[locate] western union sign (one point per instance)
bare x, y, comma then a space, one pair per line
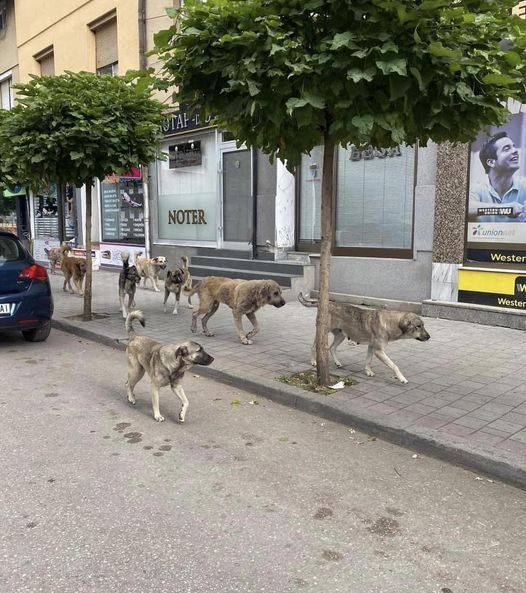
498, 289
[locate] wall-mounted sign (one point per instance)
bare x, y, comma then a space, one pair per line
496, 229
183, 121
370, 153
186, 154
497, 289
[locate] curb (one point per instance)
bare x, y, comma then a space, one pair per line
301, 400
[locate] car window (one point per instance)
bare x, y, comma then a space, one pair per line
10, 250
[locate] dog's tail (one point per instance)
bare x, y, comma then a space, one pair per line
305, 302
131, 318
125, 256
184, 259
193, 291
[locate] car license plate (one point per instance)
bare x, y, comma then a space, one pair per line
5, 308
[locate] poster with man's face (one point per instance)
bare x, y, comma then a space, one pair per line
496, 228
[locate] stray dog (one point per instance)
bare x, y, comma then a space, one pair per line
128, 280
164, 363
177, 281
369, 326
73, 268
55, 255
149, 268
244, 297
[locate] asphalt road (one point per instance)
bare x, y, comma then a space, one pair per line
245, 497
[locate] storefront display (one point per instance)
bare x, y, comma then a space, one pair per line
122, 217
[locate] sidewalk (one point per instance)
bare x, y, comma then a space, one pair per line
465, 401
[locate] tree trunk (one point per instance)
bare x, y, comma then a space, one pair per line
322, 319
86, 316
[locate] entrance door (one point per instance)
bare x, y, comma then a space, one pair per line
238, 206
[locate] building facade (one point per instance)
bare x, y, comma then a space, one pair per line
404, 227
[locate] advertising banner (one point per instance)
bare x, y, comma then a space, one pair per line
497, 289
496, 229
110, 254
122, 206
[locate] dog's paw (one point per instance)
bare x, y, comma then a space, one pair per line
190, 306
246, 341
369, 373
403, 380
181, 419
208, 334
159, 418
131, 400
338, 364
174, 312
313, 363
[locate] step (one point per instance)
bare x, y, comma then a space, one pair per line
281, 267
225, 253
200, 272
475, 313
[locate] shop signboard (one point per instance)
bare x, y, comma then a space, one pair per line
496, 228
497, 289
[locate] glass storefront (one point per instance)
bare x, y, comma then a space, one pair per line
187, 189
374, 197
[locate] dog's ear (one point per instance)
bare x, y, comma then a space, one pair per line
170, 357
406, 323
182, 352
266, 290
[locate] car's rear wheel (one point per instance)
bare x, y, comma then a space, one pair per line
38, 334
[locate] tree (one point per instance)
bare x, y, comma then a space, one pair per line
77, 127
287, 75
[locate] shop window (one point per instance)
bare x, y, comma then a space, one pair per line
122, 201
187, 202
373, 193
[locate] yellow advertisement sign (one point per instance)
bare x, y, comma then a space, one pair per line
498, 289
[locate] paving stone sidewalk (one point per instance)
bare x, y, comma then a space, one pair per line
465, 400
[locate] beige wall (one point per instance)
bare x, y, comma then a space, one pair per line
157, 20
8, 52
64, 25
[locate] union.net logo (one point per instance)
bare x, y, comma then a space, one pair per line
480, 230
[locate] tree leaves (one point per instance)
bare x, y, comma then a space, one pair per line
279, 73
78, 126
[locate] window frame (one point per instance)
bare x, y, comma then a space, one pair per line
369, 252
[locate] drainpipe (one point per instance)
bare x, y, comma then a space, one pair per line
142, 34
145, 172
254, 202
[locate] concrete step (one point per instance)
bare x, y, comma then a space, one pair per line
280, 267
225, 253
199, 272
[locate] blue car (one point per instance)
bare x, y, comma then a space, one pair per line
26, 303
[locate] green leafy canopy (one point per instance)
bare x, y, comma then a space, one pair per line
78, 126
279, 74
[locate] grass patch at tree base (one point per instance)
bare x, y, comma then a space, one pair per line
308, 380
